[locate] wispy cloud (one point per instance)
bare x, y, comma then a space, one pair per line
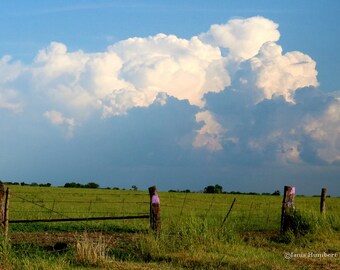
87, 7
58, 119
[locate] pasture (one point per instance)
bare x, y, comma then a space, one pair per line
193, 234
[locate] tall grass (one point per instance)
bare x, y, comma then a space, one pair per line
91, 252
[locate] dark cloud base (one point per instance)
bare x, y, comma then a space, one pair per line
154, 146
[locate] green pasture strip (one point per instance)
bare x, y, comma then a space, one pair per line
250, 212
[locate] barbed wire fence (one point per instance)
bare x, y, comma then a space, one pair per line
255, 213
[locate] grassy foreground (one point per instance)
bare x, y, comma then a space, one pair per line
193, 235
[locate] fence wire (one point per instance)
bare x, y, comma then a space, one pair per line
250, 212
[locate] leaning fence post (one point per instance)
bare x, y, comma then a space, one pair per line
155, 219
323, 201
287, 206
231, 207
2, 193
6, 213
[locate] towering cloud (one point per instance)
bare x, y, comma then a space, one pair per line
239, 85
132, 73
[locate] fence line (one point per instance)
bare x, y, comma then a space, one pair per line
219, 207
257, 212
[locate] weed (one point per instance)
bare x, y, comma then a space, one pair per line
90, 251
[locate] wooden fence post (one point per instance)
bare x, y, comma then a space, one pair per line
2, 193
6, 213
155, 212
287, 206
231, 207
323, 201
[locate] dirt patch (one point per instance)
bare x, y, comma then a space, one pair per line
51, 239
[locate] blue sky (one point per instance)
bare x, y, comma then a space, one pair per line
181, 94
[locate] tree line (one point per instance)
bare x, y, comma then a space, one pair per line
212, 189
66, 185
33, 184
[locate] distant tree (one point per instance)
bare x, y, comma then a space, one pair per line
73, 185
171, 190
134, 187
34, 184
218, 189
92, 185
209, 189
213, 189
115, 188
45, 185
276, 193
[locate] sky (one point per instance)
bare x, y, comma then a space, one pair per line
178, 94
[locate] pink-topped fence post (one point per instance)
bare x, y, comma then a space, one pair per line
287, 206
155, 212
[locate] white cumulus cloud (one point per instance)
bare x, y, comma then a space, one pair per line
131, 73
242, 37
271, 73
184, 69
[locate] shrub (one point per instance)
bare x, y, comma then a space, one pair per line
301, 223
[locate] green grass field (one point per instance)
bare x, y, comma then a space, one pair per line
192, 234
